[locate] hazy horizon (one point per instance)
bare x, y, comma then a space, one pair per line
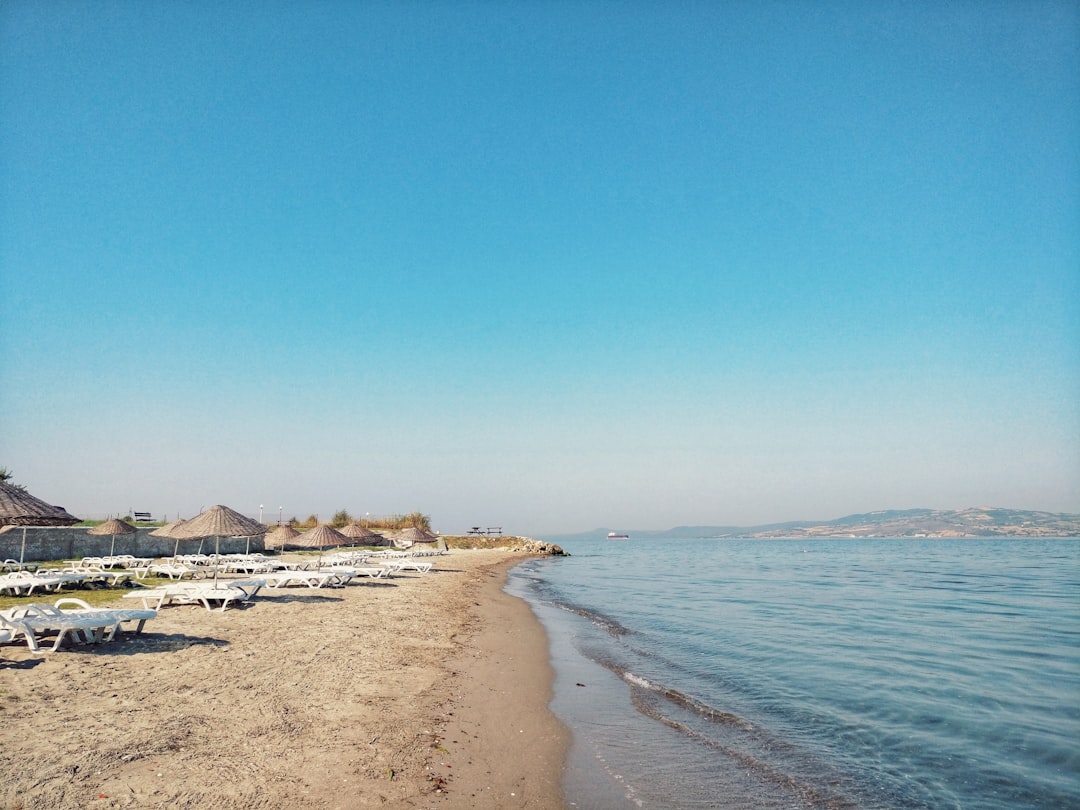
548, 267
271, 517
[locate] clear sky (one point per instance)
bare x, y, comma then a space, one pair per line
545, 265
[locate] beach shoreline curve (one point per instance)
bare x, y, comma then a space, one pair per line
428, 690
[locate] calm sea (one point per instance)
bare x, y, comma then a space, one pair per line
815, 673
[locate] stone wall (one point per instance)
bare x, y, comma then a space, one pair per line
69, 543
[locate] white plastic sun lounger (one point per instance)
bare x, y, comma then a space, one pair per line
9, 585
78, 607
204, 593
22, 583
35, 621
11, 629
15, 565
311, 579
246, 566
188, 594
342, 576
177, 570
84, 624
127, 561
110, 576
408, 564
373, 571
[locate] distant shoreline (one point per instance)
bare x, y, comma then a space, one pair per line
972, 523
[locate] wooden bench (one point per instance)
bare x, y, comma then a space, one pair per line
143, 517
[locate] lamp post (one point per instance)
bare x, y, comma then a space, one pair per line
279, 516
260, 512
367, 519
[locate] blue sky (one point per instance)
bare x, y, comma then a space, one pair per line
545, 265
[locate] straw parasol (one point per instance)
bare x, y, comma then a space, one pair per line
167, 529
412, 535
114, 527
19, 508
280, 536
170, 530
356, 532
221, 521
217, 522
321, 537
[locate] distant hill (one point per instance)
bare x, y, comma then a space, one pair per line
973, 522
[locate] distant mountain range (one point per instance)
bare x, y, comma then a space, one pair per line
974, 522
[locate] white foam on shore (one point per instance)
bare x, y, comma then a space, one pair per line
637, 680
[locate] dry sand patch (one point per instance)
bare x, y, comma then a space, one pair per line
304, 699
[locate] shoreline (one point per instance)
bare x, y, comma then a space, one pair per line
429, 690
505, 746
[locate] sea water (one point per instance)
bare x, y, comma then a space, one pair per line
867, 673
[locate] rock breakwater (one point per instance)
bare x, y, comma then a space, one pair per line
508, 542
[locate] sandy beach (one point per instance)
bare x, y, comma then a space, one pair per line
422, 691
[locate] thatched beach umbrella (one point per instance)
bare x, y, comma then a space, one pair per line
114, 527
280, 536
219, 521
321, 537
166, 530
413, 535
356, 532
19, 508
171, 530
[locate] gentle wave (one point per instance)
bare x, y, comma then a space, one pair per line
807, 793
684, 701
873, 674
609, 625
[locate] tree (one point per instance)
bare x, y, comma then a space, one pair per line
7, 475
341, 519
417, 520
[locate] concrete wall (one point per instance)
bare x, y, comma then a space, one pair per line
68, 543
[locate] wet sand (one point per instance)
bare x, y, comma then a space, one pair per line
423, 691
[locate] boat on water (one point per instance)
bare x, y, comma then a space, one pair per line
617, 536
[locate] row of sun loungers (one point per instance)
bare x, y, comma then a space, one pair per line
390, 562
75, 619
115, 561
25, 583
